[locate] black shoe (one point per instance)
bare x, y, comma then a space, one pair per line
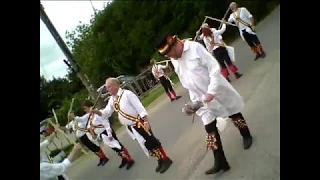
104, 161
220, 163
123, 163
159, 165
247, 142
165, 165
130, 164
100, 162
238, 75
172, 99
257, 57
263, 55
177, 97
228, 79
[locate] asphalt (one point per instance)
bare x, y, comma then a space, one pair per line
185, 142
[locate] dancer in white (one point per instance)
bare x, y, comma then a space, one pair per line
55, 171
245, 22
212, 95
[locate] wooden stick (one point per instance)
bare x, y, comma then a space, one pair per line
70, 109
160, 62
224, 16
215, 19
62, 132
205, 19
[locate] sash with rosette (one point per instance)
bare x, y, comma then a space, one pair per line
138, 120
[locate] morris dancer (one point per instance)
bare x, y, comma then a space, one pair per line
199, 72
132, 114
158, 73
86, 139
55, 171
245, 22
212, 39
100, 128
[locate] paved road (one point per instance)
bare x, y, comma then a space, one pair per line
185, 142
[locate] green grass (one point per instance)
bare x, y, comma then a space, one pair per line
155, 93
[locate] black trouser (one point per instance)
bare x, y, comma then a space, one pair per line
166, 84
222, 56
237, 119
60, 177
152, 142
251, 39
89, 144
114, 136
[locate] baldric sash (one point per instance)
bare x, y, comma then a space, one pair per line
138, 120
236, 16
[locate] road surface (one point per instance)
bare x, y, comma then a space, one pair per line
185, 142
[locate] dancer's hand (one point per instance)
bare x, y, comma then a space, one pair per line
146, 125
208, 98
71, 116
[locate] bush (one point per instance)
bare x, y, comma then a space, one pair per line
63, 111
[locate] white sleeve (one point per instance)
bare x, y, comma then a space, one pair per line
231, 19
213, 68
154, 72
246, 12
136, 103
108, 110
44, 144
70, 125
200, 37
222, 30
82, 119
53, 170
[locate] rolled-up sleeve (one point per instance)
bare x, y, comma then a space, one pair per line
53, 170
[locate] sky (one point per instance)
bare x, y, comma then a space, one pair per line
65, 15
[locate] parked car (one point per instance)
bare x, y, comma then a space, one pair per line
43, 126
139, 84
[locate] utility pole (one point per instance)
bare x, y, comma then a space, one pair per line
94, 9
70, 60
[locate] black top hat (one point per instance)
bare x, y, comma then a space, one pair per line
165, 43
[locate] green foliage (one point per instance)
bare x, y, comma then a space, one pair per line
63, 111
121, 38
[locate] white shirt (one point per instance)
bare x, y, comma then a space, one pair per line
243, 14
78, 132
97, 120
158, 70
50, 171
129, 104
216, 36
199, 72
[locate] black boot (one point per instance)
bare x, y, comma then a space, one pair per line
220, 163
238, 75
103, 161
123, 163
244, 131
100, 161
159, 165
228, 79
257, 57
177, 97
165, 165
130, 164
